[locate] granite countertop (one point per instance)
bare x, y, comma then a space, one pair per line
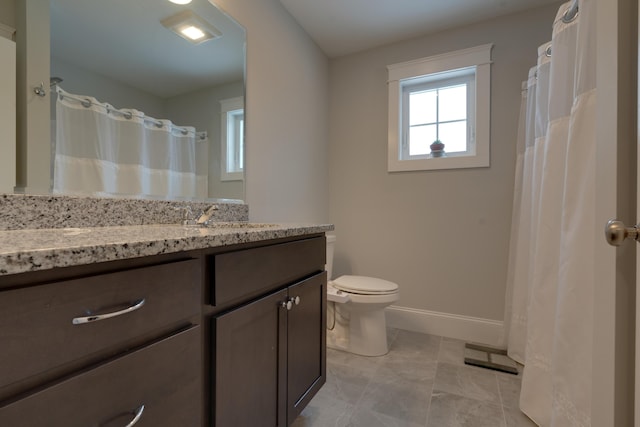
40, 249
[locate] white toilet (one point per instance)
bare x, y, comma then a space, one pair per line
355, 311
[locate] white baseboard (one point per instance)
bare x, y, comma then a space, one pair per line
471, 329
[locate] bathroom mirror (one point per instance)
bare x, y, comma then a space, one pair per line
124, 53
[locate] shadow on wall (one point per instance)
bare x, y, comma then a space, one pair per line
341, 265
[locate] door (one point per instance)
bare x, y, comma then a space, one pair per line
614, 269
306, 355
249, 362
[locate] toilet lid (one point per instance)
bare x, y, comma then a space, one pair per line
364, 285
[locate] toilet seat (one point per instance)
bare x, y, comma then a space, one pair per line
363, 285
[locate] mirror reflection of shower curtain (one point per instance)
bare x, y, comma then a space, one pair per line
549, 303
101, 150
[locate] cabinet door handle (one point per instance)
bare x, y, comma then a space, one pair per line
286, 304
296, 300
137, 415
94, 318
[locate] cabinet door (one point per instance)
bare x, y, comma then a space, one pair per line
249, 363
306, 352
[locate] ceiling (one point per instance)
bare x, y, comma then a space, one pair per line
342, 27
124, 40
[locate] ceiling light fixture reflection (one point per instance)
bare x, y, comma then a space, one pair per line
191, 27
180, 1
194, 33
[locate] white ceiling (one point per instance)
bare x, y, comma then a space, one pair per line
124, 40
341, 27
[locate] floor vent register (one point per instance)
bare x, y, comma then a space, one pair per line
490, 358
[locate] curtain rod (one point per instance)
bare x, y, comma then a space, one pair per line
87, 103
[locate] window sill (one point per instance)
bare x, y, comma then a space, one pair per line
439, 163
232, 176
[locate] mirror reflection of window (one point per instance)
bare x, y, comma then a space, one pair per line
235, 125
232, 124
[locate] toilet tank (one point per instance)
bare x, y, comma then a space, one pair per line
331, 240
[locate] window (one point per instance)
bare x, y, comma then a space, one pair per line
232, 142
444, 98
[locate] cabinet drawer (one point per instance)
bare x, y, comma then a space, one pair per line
36, 322
164, 377
250, 272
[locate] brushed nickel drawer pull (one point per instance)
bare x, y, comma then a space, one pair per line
96, 317
137, 415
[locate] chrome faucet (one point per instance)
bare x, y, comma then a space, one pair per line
188, 217
205, 217
201, 219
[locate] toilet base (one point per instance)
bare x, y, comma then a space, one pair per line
362, 332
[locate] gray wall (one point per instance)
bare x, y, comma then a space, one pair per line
286, 105
201, 109
8, 12
81, 81
443, 236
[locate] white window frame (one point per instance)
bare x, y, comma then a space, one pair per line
431, 69
231, 141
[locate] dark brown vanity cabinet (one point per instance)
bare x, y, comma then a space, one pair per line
268, 355
221, 336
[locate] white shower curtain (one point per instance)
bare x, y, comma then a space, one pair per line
103, 150
549, 291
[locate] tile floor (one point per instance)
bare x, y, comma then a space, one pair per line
422, 382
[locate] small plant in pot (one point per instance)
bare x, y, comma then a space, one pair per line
437, 148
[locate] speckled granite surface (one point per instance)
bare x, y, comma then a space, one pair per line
20, 211
31, 250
